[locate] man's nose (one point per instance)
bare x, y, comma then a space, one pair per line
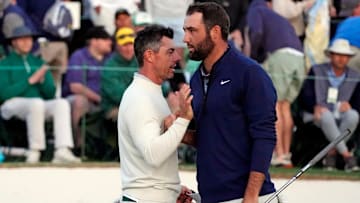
186, 37
177, 57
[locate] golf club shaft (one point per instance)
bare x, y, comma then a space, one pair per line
312, 162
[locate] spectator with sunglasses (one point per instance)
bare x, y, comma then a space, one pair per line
118, 72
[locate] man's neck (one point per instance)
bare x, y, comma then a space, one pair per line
145, 71
20, 53
96, 54
216, 53
338, 71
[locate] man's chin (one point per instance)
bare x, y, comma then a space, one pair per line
170, 75
195, 57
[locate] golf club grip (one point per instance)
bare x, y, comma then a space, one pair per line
331, 145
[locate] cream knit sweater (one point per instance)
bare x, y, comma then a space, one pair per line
148, 155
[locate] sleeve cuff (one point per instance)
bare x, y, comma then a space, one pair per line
182, 121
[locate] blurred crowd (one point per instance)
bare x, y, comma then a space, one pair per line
51, 69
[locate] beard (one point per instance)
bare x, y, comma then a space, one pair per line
203, 49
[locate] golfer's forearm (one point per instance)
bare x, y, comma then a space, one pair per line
189, 138
78, 88
256, 180
158, 149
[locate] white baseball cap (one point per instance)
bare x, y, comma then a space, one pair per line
340, 46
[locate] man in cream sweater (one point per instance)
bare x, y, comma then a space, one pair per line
149, 133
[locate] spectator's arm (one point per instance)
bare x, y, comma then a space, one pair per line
78, 88
9, 89
256, 32
47, 86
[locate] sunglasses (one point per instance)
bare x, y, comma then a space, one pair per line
126, 35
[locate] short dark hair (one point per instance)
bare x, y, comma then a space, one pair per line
213, 14
121, 11
150, 38
97, 32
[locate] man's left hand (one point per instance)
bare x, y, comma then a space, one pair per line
183, 197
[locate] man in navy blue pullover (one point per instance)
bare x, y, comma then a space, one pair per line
234, 111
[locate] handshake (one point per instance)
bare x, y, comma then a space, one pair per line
180, 105
180, 102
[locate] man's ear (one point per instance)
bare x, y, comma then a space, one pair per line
149, 56
215, 32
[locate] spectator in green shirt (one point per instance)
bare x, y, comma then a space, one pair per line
118, 72
27, 93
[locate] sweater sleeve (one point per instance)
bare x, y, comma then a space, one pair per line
8, 89
260, 100
154, 145
47, 87
11, 90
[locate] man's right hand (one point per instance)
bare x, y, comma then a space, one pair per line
318, 110
39, 75
344, 106
185, 109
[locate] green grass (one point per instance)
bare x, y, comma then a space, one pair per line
312, 173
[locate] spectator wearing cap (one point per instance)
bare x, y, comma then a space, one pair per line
82, 81
52, 49
122, 19
11, 16
349, 29
328, 100
27, 93
118, 74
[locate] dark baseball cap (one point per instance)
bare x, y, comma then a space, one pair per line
121, 11
97, 32
21, 31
